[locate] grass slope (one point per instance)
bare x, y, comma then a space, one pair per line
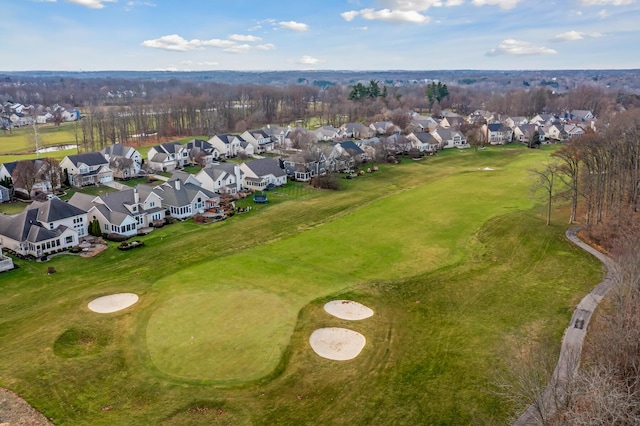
439, 249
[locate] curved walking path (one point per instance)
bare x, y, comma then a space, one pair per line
571, 350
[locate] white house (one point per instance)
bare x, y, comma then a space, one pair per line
257, 174
260, 140
124, 161
450, 138
223, 178
424, 142
123, 212
43, 228
226, 144
89, 168
184, 198
168, 156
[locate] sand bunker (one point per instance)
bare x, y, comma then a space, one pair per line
339, 344
348, 310
112, 303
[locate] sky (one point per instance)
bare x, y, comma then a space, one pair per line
261, 35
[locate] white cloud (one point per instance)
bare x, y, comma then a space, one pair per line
348, 16
388, 15
238, 48
244, 38
605, 2
44, 1
400, 11
200, 63
268, 46
503, 4
130, 5
308, 60
513, 47
573, 36
293, 25
177, 43
603, 14
92, 4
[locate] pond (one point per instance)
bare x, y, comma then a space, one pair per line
56, 148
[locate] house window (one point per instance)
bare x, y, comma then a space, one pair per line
106, 226
152, 204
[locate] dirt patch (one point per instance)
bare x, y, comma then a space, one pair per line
15, 411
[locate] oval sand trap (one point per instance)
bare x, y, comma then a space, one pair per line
348, 310
112, 303
339, 344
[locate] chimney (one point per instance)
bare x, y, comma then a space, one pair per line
136, 196
177, 184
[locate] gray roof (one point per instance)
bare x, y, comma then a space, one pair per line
116, 150
53, 210
173, 196
426, 137
88, 158
266, 166
25, 226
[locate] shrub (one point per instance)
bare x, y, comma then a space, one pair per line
51, 270
328, 181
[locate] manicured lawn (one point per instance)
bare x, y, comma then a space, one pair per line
452, 259
22, 140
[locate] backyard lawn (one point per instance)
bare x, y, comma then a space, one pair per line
453, 258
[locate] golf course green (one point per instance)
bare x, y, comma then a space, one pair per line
451, 253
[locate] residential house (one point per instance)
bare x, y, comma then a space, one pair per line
452, 122
184, 197
168, 157
260, 140
246, 148
19, 120
43, 228
384, 128
525, 133
512, 122
304, 165
555, 132
342, 156
6, 263
123, 212
424, 142
423, 124
258, 174
450, 138
225, 178
497, 133
481, 116
228, 145
543, 119
39, 181
201, 152
356, 131
124, 161
5, 195
89, 168
278, 134
581, 115
326, 133
573, 130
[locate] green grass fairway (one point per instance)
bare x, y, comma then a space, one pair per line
455, 261
219, 336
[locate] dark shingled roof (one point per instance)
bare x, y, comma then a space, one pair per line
266, 166
88, 158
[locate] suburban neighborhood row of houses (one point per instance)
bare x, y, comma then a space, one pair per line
19, 115
49, 226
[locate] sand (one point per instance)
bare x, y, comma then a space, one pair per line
348, 310
339, 344
112, 303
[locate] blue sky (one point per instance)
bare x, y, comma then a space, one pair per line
140, 35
